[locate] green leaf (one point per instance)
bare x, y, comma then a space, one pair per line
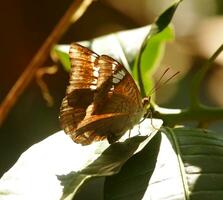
152, 55
56, 168
165, 18
177, 164
60, 52
144, 69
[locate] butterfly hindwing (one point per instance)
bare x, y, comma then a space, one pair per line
98, 127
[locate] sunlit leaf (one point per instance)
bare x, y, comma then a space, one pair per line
57, 167
176, 164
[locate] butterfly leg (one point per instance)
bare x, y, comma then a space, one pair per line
130, 133
139, 133
151, 118
148, 113
111, 138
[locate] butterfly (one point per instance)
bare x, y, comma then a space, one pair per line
102, 100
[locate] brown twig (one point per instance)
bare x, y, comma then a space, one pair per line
40, 73
75, 11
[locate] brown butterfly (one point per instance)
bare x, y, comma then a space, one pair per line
102, 100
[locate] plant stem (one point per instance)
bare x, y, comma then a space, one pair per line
196, 111
75, 11
199, 76
139, 71
176, 116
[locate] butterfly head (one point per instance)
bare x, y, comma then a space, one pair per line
145, 104
146, 101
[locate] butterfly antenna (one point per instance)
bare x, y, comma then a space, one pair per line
166, 81
158, 83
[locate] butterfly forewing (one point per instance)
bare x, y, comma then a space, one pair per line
79, 93
82, 62
102, 100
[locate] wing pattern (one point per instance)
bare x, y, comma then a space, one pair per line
102, 99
